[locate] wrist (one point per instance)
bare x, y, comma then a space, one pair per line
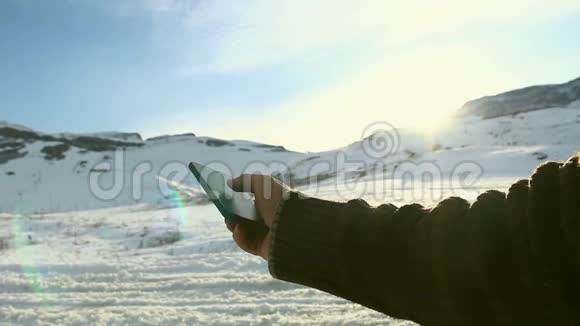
277, 213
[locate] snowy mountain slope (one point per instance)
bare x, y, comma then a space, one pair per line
496, 144
523, 100
51, 173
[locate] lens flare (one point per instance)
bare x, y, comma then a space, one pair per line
27, 260
180, 197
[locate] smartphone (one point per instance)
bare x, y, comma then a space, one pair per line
235, 207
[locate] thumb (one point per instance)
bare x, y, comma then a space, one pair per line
244, 182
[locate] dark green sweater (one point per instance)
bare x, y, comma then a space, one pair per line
503, 260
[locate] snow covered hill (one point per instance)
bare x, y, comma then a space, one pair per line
523, 100
42, 173
511, 145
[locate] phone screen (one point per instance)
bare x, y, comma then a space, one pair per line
232, 205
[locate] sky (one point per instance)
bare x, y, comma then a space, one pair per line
309, 75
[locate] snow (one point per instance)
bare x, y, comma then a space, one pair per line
34, 185
522, 140
62, 185
109, 266
92, 267
68, 257
135, 264
574, 105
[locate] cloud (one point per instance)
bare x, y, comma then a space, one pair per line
254, 33
268, 32
224, 36
418, 90
413, 81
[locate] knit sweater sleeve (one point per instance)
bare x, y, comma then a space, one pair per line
503, 260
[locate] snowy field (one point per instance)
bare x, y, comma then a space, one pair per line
154, 266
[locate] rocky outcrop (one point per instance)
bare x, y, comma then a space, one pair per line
523, 100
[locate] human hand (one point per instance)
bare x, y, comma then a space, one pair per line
255, 237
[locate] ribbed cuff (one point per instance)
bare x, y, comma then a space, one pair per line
308, 236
